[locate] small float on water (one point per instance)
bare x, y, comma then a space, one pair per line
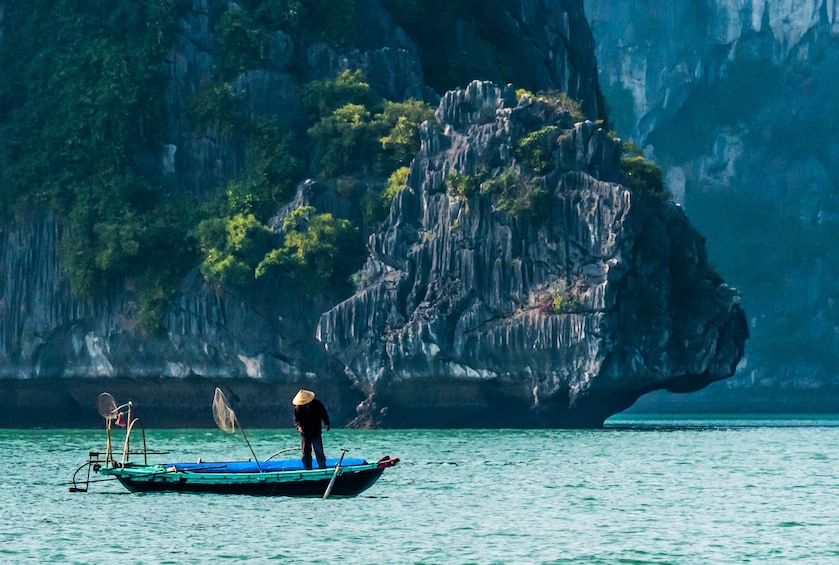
343, 477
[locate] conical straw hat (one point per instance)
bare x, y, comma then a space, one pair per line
303, 397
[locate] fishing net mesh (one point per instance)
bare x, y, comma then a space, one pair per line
106, 405
222, 412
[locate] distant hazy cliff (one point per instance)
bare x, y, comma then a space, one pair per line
736, 101
543, 293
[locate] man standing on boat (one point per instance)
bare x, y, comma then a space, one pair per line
308, 414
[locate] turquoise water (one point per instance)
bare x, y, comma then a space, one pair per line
691, 490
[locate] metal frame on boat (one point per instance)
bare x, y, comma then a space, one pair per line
341, 477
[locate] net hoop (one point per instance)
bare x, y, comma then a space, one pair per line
107, 406
222, 413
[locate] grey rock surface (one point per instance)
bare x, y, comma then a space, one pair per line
452, 328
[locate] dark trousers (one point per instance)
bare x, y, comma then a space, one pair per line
315, 443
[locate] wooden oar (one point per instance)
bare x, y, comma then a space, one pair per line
334, 475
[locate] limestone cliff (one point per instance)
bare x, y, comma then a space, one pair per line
735, 100
461, 321
460, 289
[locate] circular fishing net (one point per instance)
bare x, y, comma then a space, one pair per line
222, 412
107, 406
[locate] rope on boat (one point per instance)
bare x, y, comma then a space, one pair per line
283, 451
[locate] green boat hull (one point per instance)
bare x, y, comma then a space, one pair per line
350, 481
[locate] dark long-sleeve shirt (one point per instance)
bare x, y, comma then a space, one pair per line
307, 418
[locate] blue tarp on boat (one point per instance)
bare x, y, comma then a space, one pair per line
265, 466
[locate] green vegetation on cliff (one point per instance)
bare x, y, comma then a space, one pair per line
80, 118
641, 176
83, 124
355, 130
316, 248
81, 127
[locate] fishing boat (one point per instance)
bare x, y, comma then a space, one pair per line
342, 477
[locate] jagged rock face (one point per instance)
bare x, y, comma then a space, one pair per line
453, 328
48, 333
